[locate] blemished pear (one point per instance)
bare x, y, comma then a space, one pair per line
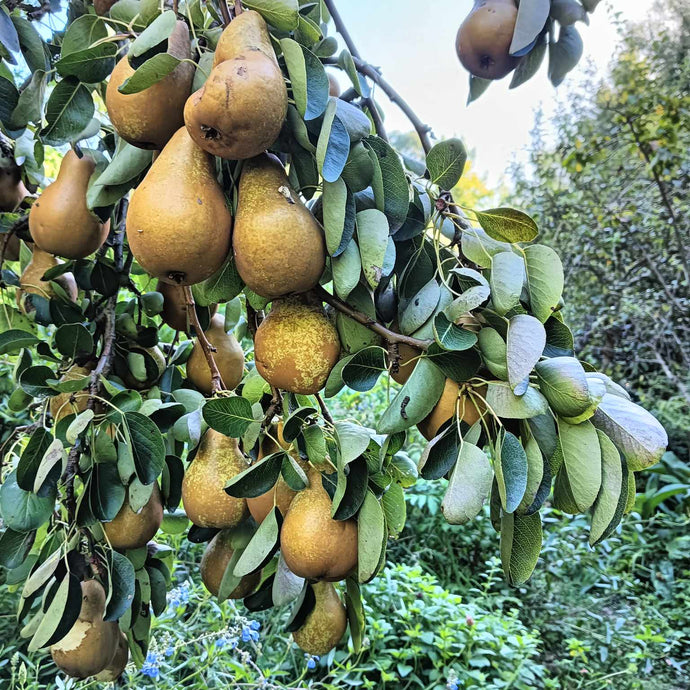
59, 220
64, 404
118, 663
296, 346
214, 562
178, 225
313, 544
31, 279
175, 306
325, 624
469, 409
91, 643
484, 38
229, 358
217, 461
149, 118
130, 530
240, 109
279, 246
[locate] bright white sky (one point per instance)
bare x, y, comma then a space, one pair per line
415, 50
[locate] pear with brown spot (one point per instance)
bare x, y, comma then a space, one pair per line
325, 624
214, 562
130, 530
217, 461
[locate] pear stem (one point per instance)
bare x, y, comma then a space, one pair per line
325, 412
238, 7
224, 12
217, 384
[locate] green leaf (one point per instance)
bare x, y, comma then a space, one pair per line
394, 509
82, 33
121, 590
29, 107
257, 479
545, 280
91, 65
33, 381
156, 32
530, 63
507, 225
494, 352
61, 614
307, 78
333, 146
457, 366
15, 547
351, 490
420, 308
107, 494
477, 87
564, 54
501, 399
510, 466
353, 440
507, 278
14, 340
452, 337
31, 457
563, 383
446, 162
281, 14
262, 546
531, 19
346, 268
68, 112
363, 369
23, 511
391, 189
286, 586
73, 339
535, 475
32, 45
521, 539
372, 237
335, 200
525, 344
221, 287
148, 447
609, 497
230, 416
8, 33
370, 537
296, 421
582, 461
151, 72
469, 486
355, 613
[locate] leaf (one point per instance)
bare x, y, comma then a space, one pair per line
582, 461
370, 536
148, 447
477, 87
333, 146
452, 337
346, 268
510, 466
564, 54
156, 32
89, 66
73, 339
524, 347
457, 366
151, 72
418, 310
391, 189
262, 546
281, 14
335, 202
230, 416
504, 403
563, 382
14, 340
15, 547
446, 162
8, 33
363, 369
221, 287
507, 278
286, 586
372, 237
532, 16
469, 486
507, 225
121, 587
23, 511
521, 538
609, 497
535, 477
353, 440
394, 509
297, 419
308, 79
636, 433
544, 280
107, 494
61, 614
31, 457
351, 490
68, 111
257, 479
530, 63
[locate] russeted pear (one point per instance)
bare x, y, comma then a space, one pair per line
91, 643
215, 560
64, 404
178, 225
149, 118
469, 409
175, 306
130, 530
31, 279
217, 461
279, 246
118, 663
229, 358
484, 38
59, 220
296, 346
325, 624
313, 544
240, 110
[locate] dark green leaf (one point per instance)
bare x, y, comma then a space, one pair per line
121, 587
371, 527
23, 511
68, 111
510, 467
148, 447
257, 479
446, 162
363, 369
230, 416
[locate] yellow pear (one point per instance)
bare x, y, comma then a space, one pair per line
228, 356
215, 560
31, 282
469, 409
130, 530
91, 643
175, 306
217, 461
279, 246
325, 624
117, 666
149, 118
296, 346
313, 544
240, 109
59, 220
64, 404
178, 225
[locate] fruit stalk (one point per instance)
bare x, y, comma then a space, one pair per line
224, 12
325, 412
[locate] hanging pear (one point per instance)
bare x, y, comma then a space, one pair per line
130, 530
31, 279
178, 225
279, 246
214, 562
325, 624
452, 401
229, 358
149, 118
175, 306
64, 404
59, 220
117, 666
217, 461
240, 110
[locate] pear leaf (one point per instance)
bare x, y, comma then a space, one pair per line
372, 238
281, 14
609, 496
582, 461
446, 163
510, 466
525, 344
370, 537
346, 268
545, 280
521, 538
257, 479
504, 403
531, 19
230, 416
307, 78
364, 368
563, 383
507, 225
262, 546
469, 485
507, 277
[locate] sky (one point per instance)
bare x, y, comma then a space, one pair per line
416, 53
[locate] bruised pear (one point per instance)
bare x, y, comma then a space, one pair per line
117, 666
31, 279
240, 109
214, 562
469, 408
217, 461
64, 404
91, 643
130, 530
175, 306
178, 226
59, 220
313, 544
279, 247
484, 38
228, 355
296, 346
325, 624
149, 118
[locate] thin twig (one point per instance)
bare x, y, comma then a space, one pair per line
217, 384
325, 412
275, 408
224, 12
238, 7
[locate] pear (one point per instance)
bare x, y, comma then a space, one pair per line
313, 544
91, 643
117, 666
214, 562
217, 461
469, 409
59, 220
279, 247
178, 225
12, 247
31, 279
102, 7
228, 356
484, 38
130, 530
149, 118
333, 86
12, 189
325, 624
154, 360
240, 109
175, 306
64, 404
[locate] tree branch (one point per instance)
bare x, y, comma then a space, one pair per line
224, 12
325, 412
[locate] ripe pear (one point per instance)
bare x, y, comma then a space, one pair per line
333, 86
325, 624
12, 189
313, 544
149, 118
228, 356
484, 38
117, 666
130, 530
30, 280
178, 225
240, 109
279, 246
175, 306
59, 220
91, 643
296, 346
215, 560
217, 461
469, 409
64, 404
